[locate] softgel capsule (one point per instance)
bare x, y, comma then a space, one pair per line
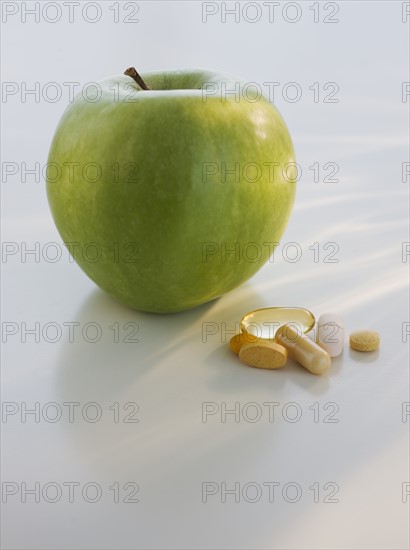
266, 321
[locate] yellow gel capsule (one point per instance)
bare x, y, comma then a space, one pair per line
264, 355
265, 322
237, 341
303, 350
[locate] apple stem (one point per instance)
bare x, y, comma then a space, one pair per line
132, 72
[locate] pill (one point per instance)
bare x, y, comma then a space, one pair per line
364, 340
264, 355
303, 350
331, 333
240, 339
266, 321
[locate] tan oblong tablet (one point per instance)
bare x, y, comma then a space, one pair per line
303, 350
237, 341
364, 340
264, 355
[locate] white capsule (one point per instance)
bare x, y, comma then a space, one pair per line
331, 333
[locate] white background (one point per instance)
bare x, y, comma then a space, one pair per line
175, 367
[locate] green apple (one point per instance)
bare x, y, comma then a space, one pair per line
170, 196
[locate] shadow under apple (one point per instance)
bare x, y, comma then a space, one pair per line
131, 344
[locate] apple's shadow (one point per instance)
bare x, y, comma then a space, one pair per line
131, 344
126, 364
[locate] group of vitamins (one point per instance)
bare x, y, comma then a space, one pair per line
286, 337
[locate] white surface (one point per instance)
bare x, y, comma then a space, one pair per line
172, 371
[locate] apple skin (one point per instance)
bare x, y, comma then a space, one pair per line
162, 229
